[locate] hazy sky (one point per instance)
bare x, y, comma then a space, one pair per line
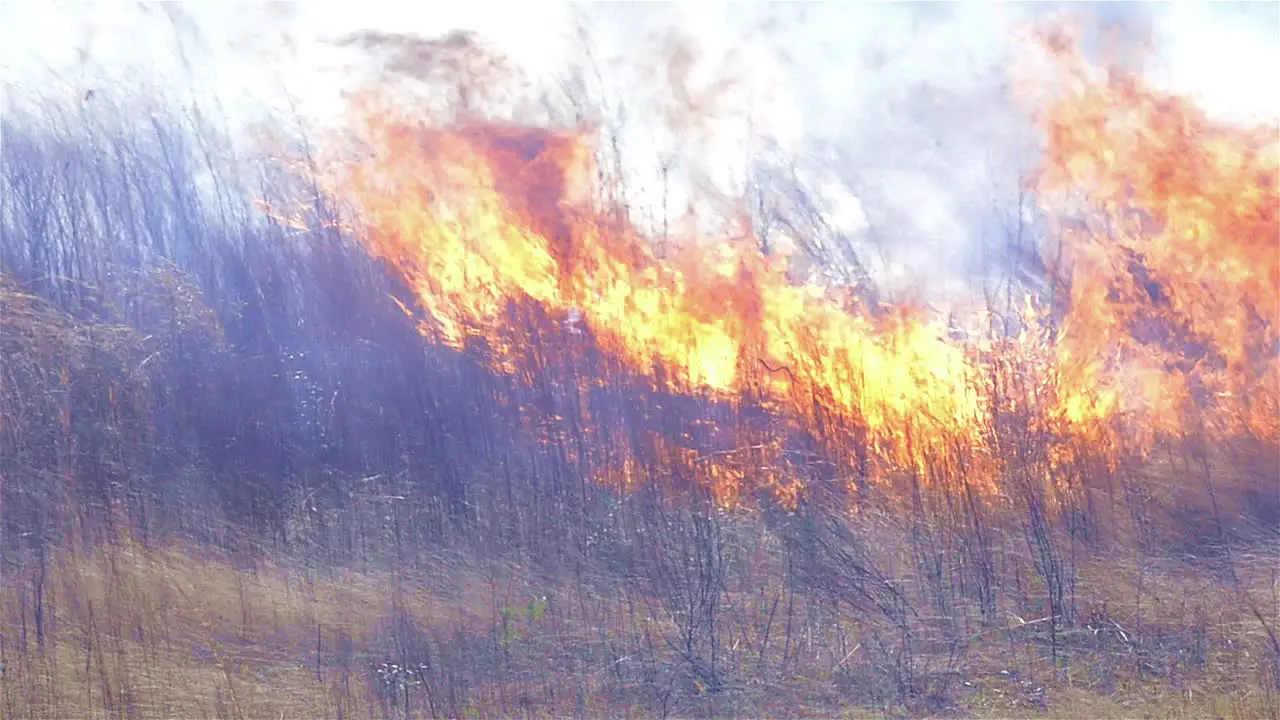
898, 110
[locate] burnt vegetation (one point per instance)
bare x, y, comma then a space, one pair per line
238, 483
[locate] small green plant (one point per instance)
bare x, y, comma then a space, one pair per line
537, 609
509, 632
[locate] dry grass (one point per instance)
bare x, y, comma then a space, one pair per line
132, 632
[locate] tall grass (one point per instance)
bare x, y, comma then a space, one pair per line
236, 483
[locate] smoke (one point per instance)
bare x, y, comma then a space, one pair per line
896, 122
900, 121
915, 122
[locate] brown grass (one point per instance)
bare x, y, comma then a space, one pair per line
134, 632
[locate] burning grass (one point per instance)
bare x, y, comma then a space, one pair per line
1167, 329
707, 490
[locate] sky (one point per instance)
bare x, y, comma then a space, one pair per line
896, 114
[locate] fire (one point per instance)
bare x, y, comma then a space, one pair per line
1172, 311
1177, 273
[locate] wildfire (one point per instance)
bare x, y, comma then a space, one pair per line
1172, 312
1175, 298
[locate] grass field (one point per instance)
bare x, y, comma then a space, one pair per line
174, 631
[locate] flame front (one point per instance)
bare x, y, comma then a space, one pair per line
1171, 316
1175, 297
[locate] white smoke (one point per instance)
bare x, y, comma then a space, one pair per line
897, 118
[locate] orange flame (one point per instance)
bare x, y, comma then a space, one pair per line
1172, 304
1177, 275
